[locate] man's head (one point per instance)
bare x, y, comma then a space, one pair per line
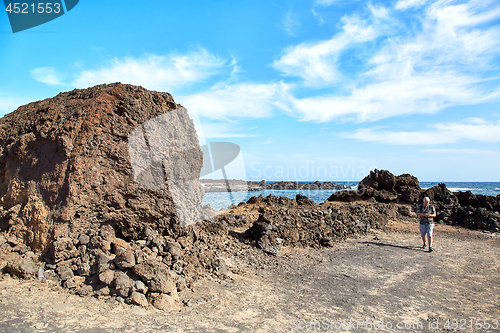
427, 201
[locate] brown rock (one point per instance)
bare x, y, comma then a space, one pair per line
165, 302
21, 268
85, 290
123, 284
379, 180
125, 259
70, 160
63, 249
162, 283
138, 299
65, 273
174, 249
107, 277
118, 242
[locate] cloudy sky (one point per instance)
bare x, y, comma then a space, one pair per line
322, 89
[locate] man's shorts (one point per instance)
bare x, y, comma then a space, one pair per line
426, 229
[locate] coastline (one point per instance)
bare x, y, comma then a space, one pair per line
234, 185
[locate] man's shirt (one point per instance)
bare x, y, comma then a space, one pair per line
423, 209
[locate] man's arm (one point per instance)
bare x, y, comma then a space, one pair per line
419, 212
433, 214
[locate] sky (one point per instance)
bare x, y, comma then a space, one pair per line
309, 90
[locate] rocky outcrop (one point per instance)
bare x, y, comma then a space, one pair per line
94, 157
220, 185
460, 208
150, 269
299, 222
382, 186
317, 185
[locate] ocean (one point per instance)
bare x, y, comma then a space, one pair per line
221, 200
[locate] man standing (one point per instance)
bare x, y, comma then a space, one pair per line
426, 212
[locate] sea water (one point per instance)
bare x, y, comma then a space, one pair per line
222, 200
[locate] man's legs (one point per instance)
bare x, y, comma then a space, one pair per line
423, 232
429, 236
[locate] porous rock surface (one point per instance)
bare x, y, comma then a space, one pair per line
86, 195
300, 222
65, 165
456, 208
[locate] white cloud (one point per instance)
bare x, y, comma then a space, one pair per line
437, 134
45, 75
462, 151
405, 4
155, 72
325, 2
290, 23
237, 101
447, 61
318, 17
316, 62
424, 93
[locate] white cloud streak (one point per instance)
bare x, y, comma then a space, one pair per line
155, 72
237, 101
325, 2
290, 23
45, 75
437, 134
405, 4
445, 62
315, 63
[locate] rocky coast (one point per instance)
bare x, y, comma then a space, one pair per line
221, 185
74, 218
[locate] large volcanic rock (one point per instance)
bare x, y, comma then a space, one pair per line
460, 208
98, 156
382, 186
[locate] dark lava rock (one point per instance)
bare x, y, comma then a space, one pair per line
303, 200
379, 180
24, 269
66, 162
314, 226
125, 259
65, 273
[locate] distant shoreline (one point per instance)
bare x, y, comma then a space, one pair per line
238, 185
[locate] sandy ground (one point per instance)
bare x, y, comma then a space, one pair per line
383, 276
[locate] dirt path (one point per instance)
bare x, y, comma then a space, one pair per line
383, 276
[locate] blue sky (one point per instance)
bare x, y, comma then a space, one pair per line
322, 89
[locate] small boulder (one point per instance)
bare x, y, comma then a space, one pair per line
123, 284
107, 277
65, 273
125, 259
139, 286
138, 299
304, 201
119, 243
165, 302
85, 290
103, 262
24, 269
174, 249
83, 239
69, 284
